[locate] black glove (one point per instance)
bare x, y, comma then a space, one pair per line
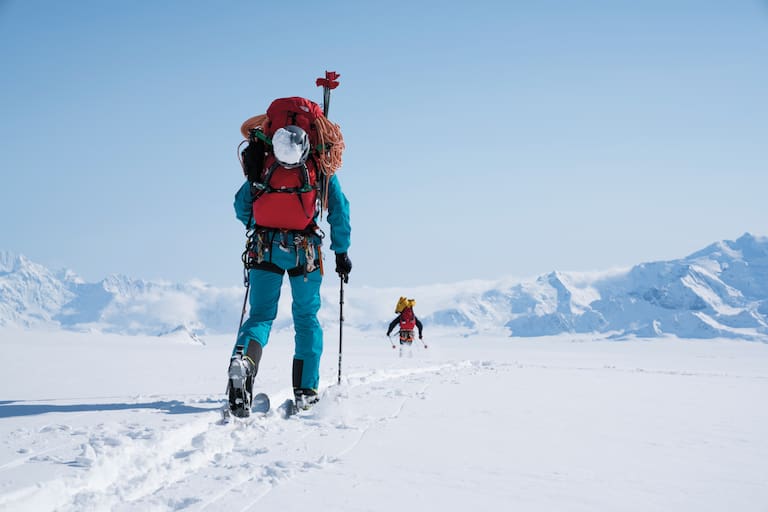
343, 266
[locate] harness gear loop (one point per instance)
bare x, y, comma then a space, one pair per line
260, 247
309, 253
258, 243
283, 245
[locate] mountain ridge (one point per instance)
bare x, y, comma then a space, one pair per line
718, 291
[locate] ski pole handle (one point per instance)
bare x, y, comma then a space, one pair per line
330, 82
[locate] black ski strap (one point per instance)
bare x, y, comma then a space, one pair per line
256, 133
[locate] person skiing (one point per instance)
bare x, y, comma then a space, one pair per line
407, 320
284, 239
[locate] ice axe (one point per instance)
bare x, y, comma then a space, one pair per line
330, 82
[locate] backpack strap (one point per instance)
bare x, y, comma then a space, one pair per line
264, 186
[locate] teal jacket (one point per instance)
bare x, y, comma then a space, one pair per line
338, 213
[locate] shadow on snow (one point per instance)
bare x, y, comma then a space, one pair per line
10, 408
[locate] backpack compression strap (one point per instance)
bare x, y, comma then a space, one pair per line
264, 185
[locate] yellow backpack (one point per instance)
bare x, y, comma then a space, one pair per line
403, 303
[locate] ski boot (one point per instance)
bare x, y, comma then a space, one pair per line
304, 398
241, 374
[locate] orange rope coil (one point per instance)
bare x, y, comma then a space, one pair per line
253, 122
330, 137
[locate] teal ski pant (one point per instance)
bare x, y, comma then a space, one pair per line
265, 288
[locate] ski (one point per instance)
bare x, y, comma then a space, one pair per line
259, 406
288, 408
260, 403
297, 406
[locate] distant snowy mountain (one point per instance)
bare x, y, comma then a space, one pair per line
33, 296
719, 291
30, 294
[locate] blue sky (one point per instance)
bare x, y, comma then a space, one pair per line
484, 139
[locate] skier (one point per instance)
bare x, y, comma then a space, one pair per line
283, 238
407, 320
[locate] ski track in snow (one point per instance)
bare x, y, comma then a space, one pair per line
131, 466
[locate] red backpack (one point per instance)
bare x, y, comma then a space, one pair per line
283, 198
407, 320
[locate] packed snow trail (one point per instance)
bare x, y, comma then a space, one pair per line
127, 465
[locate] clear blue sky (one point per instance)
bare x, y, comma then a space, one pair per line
484, 139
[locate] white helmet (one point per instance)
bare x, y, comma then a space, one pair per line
291, 146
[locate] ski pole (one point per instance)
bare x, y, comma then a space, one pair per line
422, 342
242, 313
245, 299
390, 340
246, 271
341, 319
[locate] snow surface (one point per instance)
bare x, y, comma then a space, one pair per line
95, 422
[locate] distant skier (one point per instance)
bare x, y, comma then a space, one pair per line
407, 320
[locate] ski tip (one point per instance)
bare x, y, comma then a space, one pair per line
288, 408
260, 403
226, 415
